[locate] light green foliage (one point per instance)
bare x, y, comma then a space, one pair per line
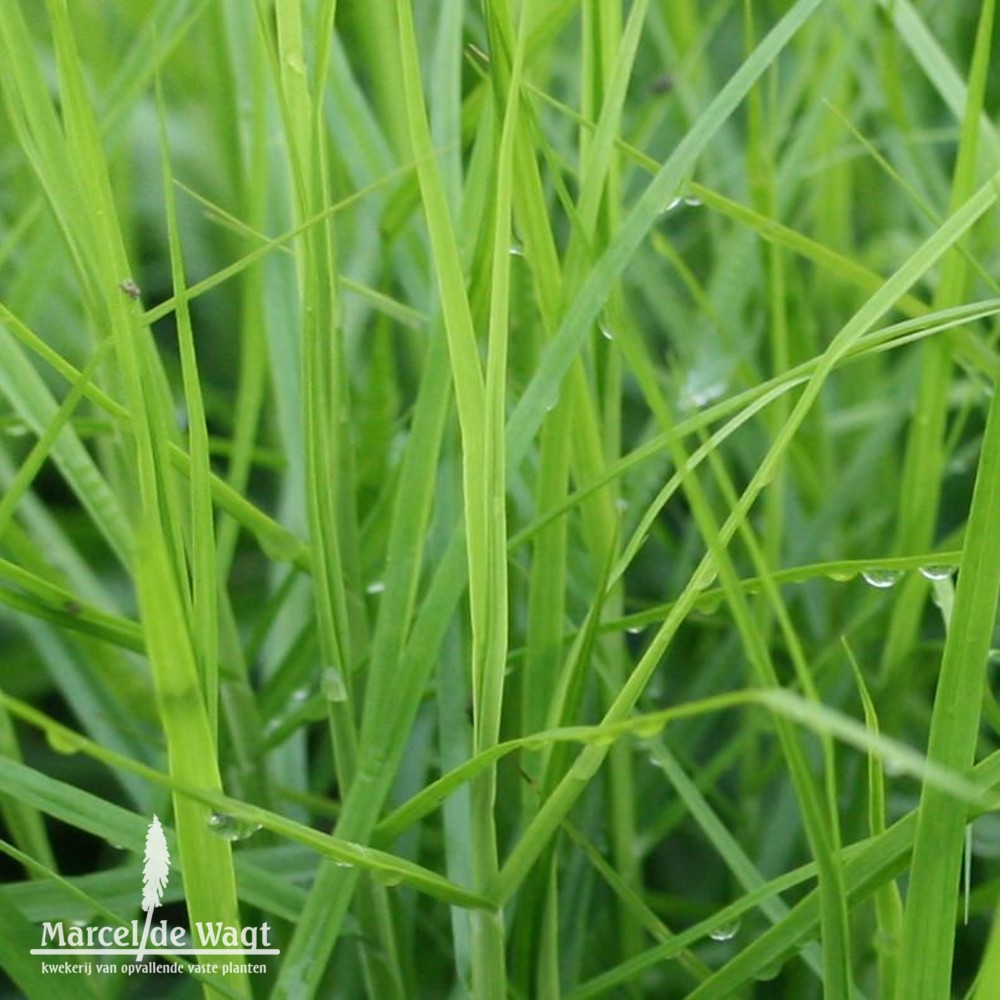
483, 476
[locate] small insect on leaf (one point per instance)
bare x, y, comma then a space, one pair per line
130, 288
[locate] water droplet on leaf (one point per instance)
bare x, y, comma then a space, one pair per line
710, 604
882, 578
842, 575
63, 742
332, 685
231, 827
725, 932
886, 943
646, 729
769, 972
300, 696
936, 572
281, 547
702, 394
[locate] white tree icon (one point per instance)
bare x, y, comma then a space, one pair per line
155, 872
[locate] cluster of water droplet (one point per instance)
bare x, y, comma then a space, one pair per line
689, 201
885, 578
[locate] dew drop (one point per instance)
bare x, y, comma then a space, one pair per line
63, 742
842, 575
281, 547
332, 685
342, 864
606, 333
882, 578
375, 587
231, 827
656, 690
647, 729
16, 428
937, 572
683, 201
769, 972
767, 474
886, 943
389, 878
709, 605
635, 629
299, 696
515, 250
701, 395
892, 767
725, 932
